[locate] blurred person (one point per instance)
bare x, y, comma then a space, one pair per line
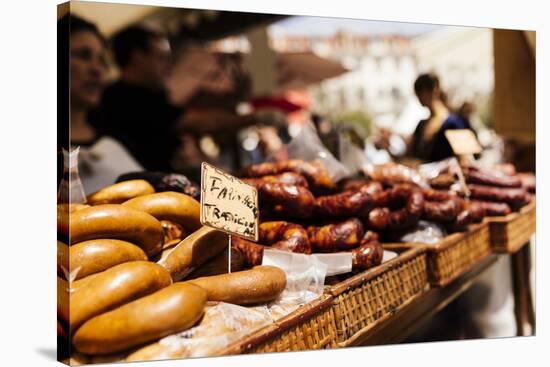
81, 76
428, 141
136, 109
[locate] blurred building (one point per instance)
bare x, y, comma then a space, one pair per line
382, 70
463, 59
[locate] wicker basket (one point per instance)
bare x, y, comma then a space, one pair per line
309, 327
455, 254
366, 299
510, 233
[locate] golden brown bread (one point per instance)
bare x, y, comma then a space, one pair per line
167, 311
117, 222
173, 206
193, 251
120, 192
62, 259
63, 299
63, 211
93, 256
114, 287
218, 265
75, 284
260, 284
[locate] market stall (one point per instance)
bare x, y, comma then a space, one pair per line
339, 258
303, 246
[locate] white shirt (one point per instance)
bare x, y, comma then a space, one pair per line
100, 164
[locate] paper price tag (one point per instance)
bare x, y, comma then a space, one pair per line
228, 204
463, 141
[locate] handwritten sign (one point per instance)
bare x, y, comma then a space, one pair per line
463, 141
228, 204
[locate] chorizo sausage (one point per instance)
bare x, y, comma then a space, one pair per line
367, 255
338, 236
409, 204
285, 236
515, 197
287, 178
251, 252
484, 177
345, 204
289, 200
493, 209
314, 172
440, 206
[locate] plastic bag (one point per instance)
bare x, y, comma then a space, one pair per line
337, 263
221, 325
305, 274
393, 173
449, 166
225, 323
425, 232
308, 146
71, 190
351, 156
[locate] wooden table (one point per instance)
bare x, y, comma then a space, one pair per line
409, 319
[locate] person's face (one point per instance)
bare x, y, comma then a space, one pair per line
155, 63
425, 97
87, 68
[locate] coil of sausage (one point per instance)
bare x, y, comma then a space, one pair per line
284, 236
397, 208
345, 204
286, 200
492, 179
440, 206
314, 172
287, 178
515, 197
338, 236
369, 254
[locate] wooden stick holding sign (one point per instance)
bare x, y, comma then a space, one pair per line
464, 144
228, 204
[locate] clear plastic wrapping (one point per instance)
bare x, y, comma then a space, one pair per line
450, 166
224, 324
71, 190
351, 156
426, 232
308, 146
393, 173
305, 274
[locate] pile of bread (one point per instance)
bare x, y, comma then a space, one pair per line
135, 265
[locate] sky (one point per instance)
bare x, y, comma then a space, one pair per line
325, 26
